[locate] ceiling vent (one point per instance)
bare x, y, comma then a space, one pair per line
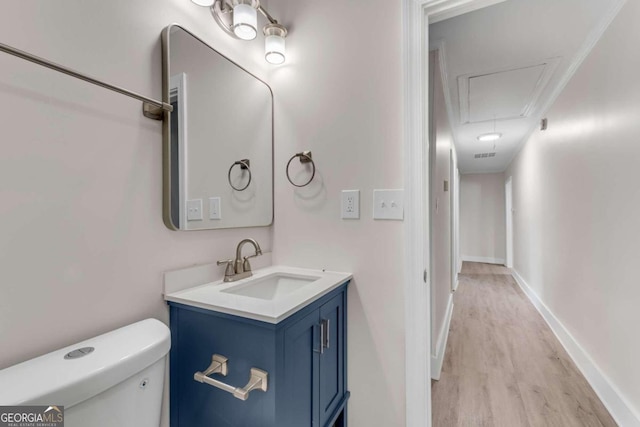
484, 155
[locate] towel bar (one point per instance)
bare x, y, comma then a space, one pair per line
257, 381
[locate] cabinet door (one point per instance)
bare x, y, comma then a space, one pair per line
301, 372
331, 358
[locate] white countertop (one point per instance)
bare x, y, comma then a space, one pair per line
212, 296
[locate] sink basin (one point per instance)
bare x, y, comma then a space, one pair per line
271, 295
272, 286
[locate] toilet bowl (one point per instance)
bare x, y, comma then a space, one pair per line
115, 379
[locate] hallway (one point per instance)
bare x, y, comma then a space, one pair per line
503, 365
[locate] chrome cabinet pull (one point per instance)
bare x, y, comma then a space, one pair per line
324, 335
325, 326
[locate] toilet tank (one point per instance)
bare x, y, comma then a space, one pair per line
118, 383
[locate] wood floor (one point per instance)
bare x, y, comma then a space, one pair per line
503, 366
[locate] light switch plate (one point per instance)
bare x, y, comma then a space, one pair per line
194, 210
388, 204
215, 208
350, 206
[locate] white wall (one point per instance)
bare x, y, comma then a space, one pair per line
340, 95
577, 204
82, 242
482, 218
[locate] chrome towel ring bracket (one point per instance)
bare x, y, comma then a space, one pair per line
244, 165
305, 157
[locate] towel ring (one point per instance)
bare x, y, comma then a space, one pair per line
305, 157
244, 165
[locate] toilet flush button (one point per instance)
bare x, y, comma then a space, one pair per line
80, 352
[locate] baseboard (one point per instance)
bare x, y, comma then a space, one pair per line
486, 260
441, 346
618, 407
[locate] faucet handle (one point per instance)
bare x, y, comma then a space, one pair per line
229, 270
245, 265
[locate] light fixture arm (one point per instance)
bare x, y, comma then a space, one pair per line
266, 15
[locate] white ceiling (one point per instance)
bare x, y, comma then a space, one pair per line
505, 64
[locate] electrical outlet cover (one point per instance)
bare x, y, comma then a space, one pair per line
350, 206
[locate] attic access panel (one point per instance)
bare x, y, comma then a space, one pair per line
503, 94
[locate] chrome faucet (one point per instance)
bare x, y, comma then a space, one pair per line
240, 268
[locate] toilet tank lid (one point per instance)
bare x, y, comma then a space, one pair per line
53, 380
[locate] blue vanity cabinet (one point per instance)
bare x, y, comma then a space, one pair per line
304, 355
332, 359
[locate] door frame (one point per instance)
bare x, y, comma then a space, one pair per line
431, 203
453, 186
508, 200
416, 16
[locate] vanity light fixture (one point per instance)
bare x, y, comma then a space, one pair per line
245, 19
493, 136
274, 35
239, 19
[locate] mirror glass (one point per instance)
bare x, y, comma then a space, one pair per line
218, 140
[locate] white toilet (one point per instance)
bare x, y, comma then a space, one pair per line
118, 383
